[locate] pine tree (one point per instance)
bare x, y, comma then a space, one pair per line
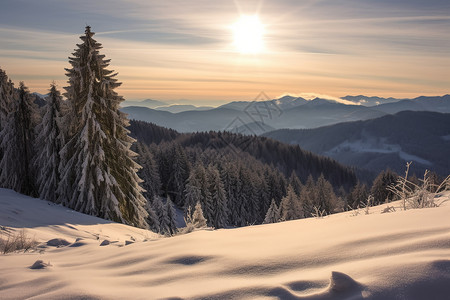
17, 140
205, 200
380, 186
218, 198
179, 173
152, 218
308, 196
264, 199
6, 102
6, 98
161, 213
192, 191
98, 173
359, 195
295, 183
171, 217
49, 142
273, 213
198, 220
291, 207
325, 196
149, 172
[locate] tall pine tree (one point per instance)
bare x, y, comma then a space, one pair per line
6, 102
98, 173
171, 217
290, 207
17, 140
273, 213
6, 98
218, 198
49, 142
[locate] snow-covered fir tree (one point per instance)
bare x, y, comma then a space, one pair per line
308, 196
171, 217
98, 173
218, 198
17, 140
49, 142
291, 208
205, 199
264, 199
273, 213
198, 219
161, 213
152, 218
6, 98
149, 172
295, 183
325, 196
232, 187
192, 192
6, 101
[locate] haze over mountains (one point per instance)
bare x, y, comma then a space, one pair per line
249, 117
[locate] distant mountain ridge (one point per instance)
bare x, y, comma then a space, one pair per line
386, 142
254, 118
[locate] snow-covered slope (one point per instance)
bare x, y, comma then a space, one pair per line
399, 255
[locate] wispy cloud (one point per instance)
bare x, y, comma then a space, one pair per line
178, 49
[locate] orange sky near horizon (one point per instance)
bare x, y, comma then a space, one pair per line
402, 55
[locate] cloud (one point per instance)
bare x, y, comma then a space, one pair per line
312, 96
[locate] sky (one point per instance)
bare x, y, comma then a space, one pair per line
184, 51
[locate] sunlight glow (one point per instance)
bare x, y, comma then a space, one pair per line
248, 35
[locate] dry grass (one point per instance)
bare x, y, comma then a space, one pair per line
11, 241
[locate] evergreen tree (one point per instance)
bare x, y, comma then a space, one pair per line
325, 196
178, 174
359, 195
291, 207
152, 218
6, 99
218, 198
273, 213
149, 172
205, 200
171, 217
295, 183
264, 199
49, 142
161, 213
17, 139
198, 220
308, 196
98, 173
380, 185
192, 191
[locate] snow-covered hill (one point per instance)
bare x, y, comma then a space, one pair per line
398, 255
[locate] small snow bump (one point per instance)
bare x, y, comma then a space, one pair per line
57, 242
340, 282
40, 264
105, 243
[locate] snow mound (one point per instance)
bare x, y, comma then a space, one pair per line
57, 242
40, 264
105, 243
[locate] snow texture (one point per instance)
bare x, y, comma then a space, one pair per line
398, 255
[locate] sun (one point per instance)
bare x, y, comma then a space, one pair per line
248, 34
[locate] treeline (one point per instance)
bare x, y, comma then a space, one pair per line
236, 178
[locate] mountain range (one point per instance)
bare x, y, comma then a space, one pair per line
386, 142
254, 118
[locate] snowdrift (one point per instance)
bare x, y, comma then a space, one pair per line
398, 255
